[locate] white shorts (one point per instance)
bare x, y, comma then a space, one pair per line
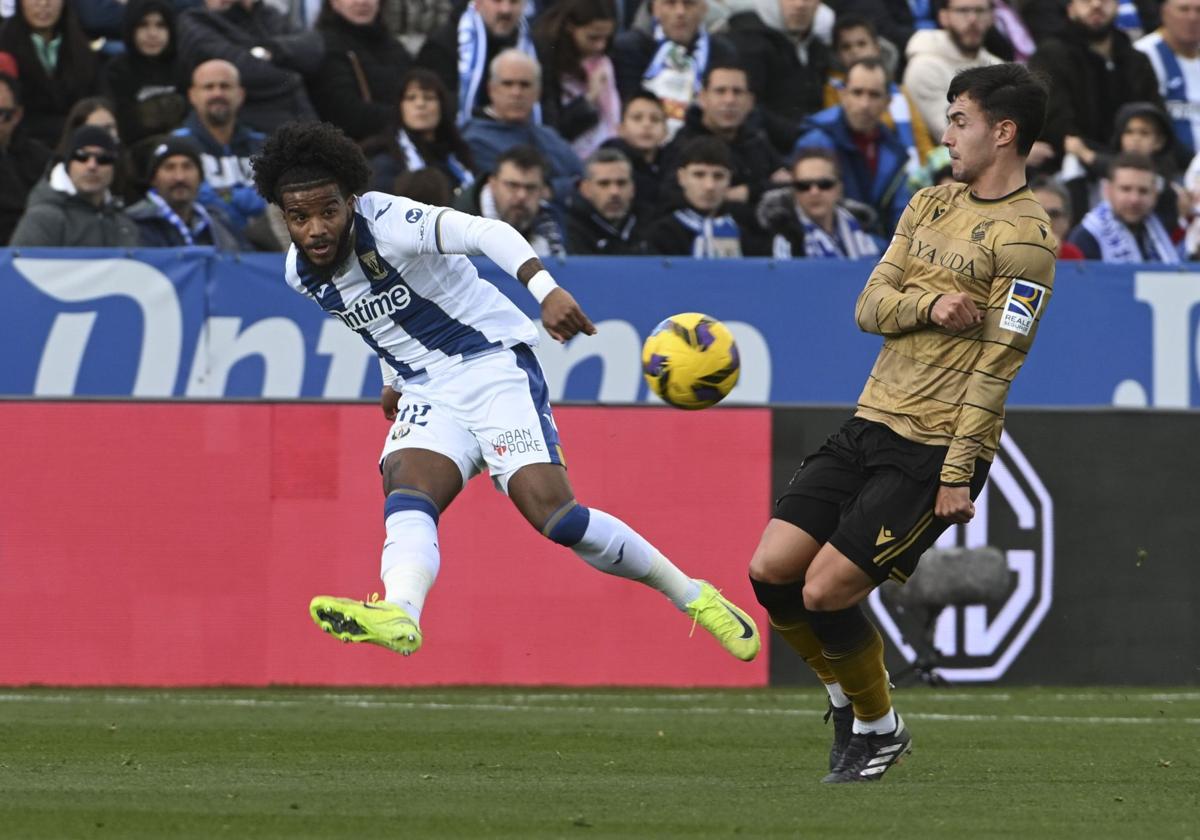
491, 411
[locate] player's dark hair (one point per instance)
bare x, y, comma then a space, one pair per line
309, 154
641, 93
845, 23
1131, 160
524, 158
1006, 92
871, 63
706, 150
14, 87
725, 65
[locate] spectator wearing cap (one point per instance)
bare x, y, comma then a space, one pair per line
170, 215
1142, 128
56, 63
74, 207
22, 158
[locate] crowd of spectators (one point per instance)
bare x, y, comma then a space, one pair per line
709, 128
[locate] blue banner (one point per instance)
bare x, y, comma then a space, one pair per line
187, 323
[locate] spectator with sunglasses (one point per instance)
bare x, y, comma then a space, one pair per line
808, 219
22, 158
74, 207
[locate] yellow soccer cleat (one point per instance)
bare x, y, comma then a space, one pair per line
378, 622
734, 629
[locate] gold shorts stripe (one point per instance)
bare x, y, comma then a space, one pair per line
890, 552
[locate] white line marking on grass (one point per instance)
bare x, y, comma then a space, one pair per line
358, 702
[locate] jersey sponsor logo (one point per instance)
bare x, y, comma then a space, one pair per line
938, 212
1025, 299
885, 536
978, 642
414, 215
374, 265
946, 259
517, 442
379, 213
1043, 231
373, 307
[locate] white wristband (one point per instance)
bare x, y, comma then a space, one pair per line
540, 285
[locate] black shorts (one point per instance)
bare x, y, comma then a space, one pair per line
870, 493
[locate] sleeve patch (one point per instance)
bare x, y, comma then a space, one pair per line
1021, 308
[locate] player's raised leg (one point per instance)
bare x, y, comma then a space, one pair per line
543, 494
419, 484
833, 591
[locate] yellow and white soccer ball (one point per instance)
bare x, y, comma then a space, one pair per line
691, 361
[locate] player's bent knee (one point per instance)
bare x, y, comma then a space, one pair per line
819, 597
567, 525
768, 568
403, 499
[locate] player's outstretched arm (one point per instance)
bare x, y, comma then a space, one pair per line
561, 314
460, 233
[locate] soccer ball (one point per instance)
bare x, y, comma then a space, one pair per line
691, 361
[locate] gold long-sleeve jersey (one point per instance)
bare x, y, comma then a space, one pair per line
934, 386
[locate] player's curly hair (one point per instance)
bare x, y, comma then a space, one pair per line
306, 155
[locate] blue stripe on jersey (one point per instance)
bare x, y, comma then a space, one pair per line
424, 321
1177, 92
330, 299
400, 367
528, 362
321, 288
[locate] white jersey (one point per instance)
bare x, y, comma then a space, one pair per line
1178, 85
421, 309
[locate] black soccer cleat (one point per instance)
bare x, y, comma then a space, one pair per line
843, 727
868, 757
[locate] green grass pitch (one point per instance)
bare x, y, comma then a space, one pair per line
619, 763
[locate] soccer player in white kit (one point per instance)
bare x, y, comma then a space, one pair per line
461, 383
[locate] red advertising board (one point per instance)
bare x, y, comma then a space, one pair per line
179, 544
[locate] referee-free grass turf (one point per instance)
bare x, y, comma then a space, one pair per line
465, 763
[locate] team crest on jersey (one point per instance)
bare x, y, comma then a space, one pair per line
980, 231
413, 215
1025, 299
373, 265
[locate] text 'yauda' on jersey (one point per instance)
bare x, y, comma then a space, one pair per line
421, 309
934, 386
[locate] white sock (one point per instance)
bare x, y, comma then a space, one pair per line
836, 696
410, 560
885, 725
614, 548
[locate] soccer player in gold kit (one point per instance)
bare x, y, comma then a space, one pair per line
957, 298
